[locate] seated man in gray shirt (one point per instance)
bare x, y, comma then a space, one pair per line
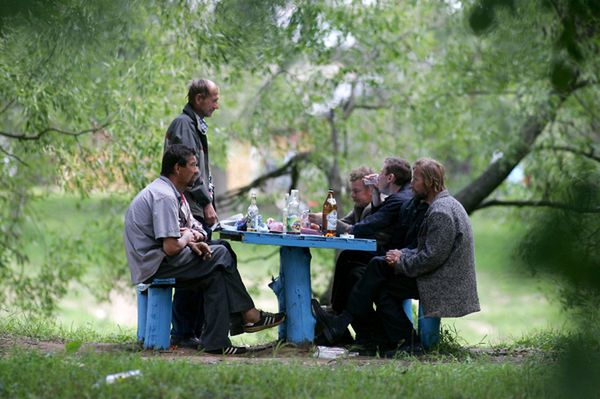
163, 240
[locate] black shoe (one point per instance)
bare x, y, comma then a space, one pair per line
188, 342
316, 308
236, 330
267, 320
228, 350
332, 326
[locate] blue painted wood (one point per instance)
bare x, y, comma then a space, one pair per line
158, 323
429, 330
142, 310
154, 316
276, 285
429, 327
407, 306
300, 240
295, 275
163, 281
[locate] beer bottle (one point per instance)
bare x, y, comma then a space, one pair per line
329, 215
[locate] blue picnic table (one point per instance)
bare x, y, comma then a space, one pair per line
293, 287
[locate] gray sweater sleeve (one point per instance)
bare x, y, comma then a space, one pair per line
433, 252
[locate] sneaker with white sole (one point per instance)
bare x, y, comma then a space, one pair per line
267, 320
228, 350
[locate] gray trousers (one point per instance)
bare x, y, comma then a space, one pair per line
223, 291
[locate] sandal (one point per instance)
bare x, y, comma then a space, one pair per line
267, 320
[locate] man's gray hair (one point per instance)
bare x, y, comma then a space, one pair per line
199, 86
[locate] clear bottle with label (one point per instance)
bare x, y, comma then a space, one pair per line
293, 217
329, 215
252, 214
284, 212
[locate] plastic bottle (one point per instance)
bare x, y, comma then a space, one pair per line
304, 222
293, 218
252, 215
112, 378
329, 215
284, 212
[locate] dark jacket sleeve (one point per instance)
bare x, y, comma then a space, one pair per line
344, 224
381, 218
183, 131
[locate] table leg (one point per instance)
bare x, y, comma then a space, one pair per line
295, 274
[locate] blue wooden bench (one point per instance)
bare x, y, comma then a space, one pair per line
429, 327
154, 313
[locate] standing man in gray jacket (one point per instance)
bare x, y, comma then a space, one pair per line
191, 130
440, 272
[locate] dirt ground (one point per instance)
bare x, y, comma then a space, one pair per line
268, 352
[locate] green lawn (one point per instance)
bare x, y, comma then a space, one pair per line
513, 302
31, 374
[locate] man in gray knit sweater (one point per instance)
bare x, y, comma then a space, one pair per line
440, 272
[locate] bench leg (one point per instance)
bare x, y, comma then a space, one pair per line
429, 330
407, 306
142, 312
158, 322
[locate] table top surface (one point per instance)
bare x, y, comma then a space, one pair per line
299, 240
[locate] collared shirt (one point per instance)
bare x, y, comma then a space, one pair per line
154, 214
202, 126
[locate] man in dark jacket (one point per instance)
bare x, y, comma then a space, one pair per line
440, 271
190, 129
390, 190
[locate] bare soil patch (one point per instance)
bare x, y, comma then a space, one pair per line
284, 353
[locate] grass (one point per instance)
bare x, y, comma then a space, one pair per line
31, 374
77, 372
72, 371
516, 313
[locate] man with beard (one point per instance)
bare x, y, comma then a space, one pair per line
440, 271
390, 189
164, 240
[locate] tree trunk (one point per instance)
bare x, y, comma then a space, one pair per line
475, 192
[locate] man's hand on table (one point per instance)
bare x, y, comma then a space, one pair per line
316, 218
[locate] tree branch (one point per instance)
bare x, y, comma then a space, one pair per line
13, 156
474, 194
261, 257
541, 203
372, 106
37, 136
288, 168
588, 154
7, 106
